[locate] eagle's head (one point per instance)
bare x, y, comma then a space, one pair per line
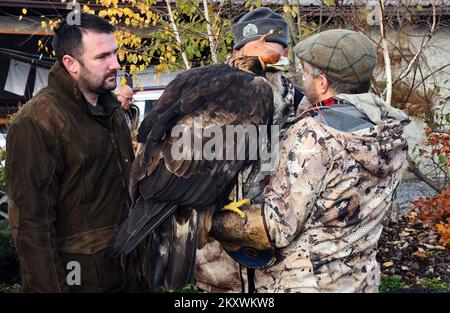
259, 51
251, 64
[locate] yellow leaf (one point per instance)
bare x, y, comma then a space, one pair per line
121, 55
24, 11
106, 3
388, 264
128, 12
39, 43
43, 24
102, 13
123, 81
20, 18
86, 8
286, 8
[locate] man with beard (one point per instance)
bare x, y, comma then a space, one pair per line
338, 170
68, 164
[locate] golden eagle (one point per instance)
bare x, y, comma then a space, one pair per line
174, 199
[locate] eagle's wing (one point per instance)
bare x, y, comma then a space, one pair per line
165, 190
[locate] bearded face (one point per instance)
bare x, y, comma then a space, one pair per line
98, 82
98, 65
310, 84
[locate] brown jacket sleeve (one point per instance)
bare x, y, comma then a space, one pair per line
31, 168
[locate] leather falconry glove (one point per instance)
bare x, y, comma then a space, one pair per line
245, 239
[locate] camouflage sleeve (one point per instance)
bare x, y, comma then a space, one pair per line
295, 184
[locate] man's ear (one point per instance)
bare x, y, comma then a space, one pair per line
323, 85
71, 64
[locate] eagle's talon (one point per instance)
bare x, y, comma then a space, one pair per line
234, 207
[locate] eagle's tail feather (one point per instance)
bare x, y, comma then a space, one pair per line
156, 256
171, 253
144, 217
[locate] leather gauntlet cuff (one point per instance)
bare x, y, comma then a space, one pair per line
245, 239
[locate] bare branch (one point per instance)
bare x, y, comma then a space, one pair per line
413, 169
177, 35
387, 60
422, 47
212, 39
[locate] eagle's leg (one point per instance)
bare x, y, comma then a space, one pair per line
234, 207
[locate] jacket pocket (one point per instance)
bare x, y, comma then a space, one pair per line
84, 275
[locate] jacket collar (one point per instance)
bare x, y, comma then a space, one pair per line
60, 80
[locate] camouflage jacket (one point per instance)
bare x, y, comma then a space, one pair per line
325, 201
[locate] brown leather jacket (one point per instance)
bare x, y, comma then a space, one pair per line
68, 168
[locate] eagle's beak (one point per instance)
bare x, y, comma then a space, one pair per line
283, 64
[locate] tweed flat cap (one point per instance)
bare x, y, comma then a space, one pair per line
259, 22
343, 55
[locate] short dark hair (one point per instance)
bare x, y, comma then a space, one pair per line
348, 88
68, 38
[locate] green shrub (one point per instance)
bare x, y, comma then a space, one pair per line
389, 283
9, 288
9, 262
189, 288
435, 283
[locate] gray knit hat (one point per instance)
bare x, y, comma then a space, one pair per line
343, 55
259, 22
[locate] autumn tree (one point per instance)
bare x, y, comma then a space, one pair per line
168, 35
